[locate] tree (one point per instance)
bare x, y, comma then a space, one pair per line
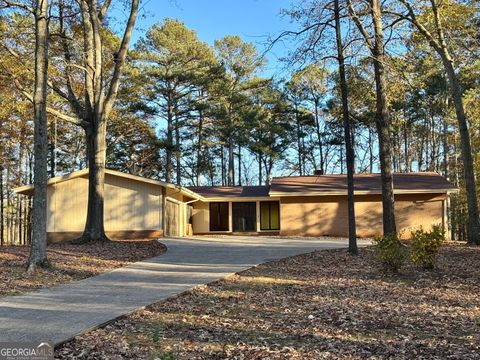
240, 62
350, 155
92, 107
376, 46
175, 64
38, 252
436, 37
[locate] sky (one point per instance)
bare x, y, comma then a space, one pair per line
253, 20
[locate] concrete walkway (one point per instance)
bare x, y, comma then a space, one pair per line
57, 314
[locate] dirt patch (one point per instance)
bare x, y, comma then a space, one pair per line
323, 305
70, 262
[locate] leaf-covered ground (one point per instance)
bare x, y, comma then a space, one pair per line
70, 262
323, 305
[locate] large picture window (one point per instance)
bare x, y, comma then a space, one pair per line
219, 216
244, 216
269, 215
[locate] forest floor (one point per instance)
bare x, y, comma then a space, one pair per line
70, 263
326, 304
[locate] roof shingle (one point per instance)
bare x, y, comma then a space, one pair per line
230, 191
324, 184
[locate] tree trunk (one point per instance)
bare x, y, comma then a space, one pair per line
405, 147
38, 251
319, 138
96, 153
231, 164
299, 141
473, 227
370, 150
445, 141
199, 147
260, 172
352, 238
383, 122
2, 213
168, 165
222, 163
178, 152
239, 165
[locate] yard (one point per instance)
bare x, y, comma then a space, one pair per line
70, 263
325, 304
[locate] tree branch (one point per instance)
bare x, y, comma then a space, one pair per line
120, 58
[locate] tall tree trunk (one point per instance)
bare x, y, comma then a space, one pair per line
199, 148
96, 153
231, 163
239, 165
405, 146
437, 40
473, 228
2, 213
319, 138
222, 163
382, 121
370, 150
445, 141
169, 165
260, 172
299, 141
178, 151
352, 238
38, 251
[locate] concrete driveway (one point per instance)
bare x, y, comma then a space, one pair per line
58, 314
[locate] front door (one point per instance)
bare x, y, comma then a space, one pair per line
244, 216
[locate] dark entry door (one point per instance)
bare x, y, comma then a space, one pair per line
244, 216
219, 216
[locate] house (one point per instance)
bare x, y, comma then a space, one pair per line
296, 205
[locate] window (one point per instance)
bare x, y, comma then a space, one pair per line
269, 215
219, 216
244, 216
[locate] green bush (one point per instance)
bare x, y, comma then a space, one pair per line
425, 246
391, 253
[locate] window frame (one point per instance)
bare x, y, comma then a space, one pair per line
270, 228
219, 212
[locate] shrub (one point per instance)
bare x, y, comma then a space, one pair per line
425, 246
391, 253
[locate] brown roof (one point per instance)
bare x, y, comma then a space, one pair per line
230, 191
371, 183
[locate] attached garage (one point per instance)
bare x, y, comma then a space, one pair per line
135, 207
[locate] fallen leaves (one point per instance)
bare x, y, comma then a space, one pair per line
70, 262
322, 305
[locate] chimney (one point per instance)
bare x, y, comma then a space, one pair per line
317, 172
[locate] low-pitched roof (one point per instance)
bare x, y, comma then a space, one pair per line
28, 189
423, 182
210, 192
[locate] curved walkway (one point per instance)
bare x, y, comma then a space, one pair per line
59, 313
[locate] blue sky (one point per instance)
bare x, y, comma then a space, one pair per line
253, 20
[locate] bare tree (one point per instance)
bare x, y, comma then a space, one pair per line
350, 154
437, 41
376, 47
38, 250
